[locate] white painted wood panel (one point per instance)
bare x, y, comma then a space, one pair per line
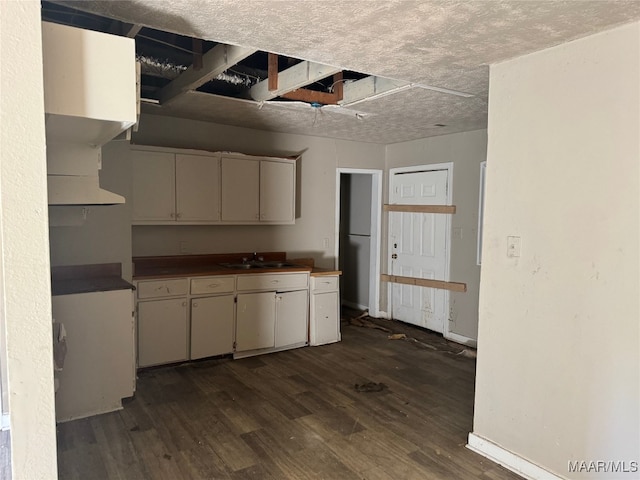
216, 284
292, 309
154, 188
273, 281
162, 331
240, 190
325, 283
277, 191
99, 368
255, 321
324, 324
212, 326
197, 188
168, 287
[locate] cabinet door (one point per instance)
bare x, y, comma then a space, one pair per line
325, 318
291, 318
211, 326
240, 190
255, 321
197, 188
162, 331
154, 188
277, 191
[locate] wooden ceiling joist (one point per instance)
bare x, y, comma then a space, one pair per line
214, 62
312, 96
291, 79
272, 71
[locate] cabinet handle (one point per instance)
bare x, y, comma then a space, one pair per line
257, 216
184, 304
214, 285
195, 305
262, 216
275, 281
172, 215
178, 215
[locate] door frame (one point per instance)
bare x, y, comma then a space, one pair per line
376, 229
448, 166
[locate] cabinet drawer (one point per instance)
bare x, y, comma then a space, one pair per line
212, 285
324, 284
273, 281
162, 288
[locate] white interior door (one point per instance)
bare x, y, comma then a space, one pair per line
419, 243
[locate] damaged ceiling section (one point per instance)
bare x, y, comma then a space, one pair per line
173, 65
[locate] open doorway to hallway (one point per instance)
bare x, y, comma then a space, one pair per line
358, 225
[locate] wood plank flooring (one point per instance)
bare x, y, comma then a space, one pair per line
292, 415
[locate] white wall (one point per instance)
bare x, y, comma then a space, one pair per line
466, 150
317, 173
558, 374
26, 302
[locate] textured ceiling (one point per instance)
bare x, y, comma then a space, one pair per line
446, 44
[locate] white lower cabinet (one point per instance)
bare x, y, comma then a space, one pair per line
212, 324
99, 368
324, 324
291, 318
199, 317
255, 321
162, 331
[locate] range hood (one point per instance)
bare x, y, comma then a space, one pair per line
73, 175
79, 190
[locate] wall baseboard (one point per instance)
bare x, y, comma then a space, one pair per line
509, 460
355, 306
470, 342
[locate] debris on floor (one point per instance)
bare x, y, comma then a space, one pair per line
361, 321
468, 352
397, 336
434, 341
369, 387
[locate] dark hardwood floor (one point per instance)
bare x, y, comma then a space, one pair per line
293, 415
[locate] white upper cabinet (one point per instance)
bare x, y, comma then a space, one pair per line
259, 190
240, 190
170, 188
89, 84
277, 191
197, 188
154, 188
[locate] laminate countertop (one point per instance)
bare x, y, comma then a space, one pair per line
148, 268
68, 280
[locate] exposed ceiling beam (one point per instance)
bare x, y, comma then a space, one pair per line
292, 78
214, 62
370, 87
132, 31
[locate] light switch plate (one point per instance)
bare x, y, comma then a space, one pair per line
513, 246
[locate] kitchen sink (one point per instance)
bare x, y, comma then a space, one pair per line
245, 266
252, 265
